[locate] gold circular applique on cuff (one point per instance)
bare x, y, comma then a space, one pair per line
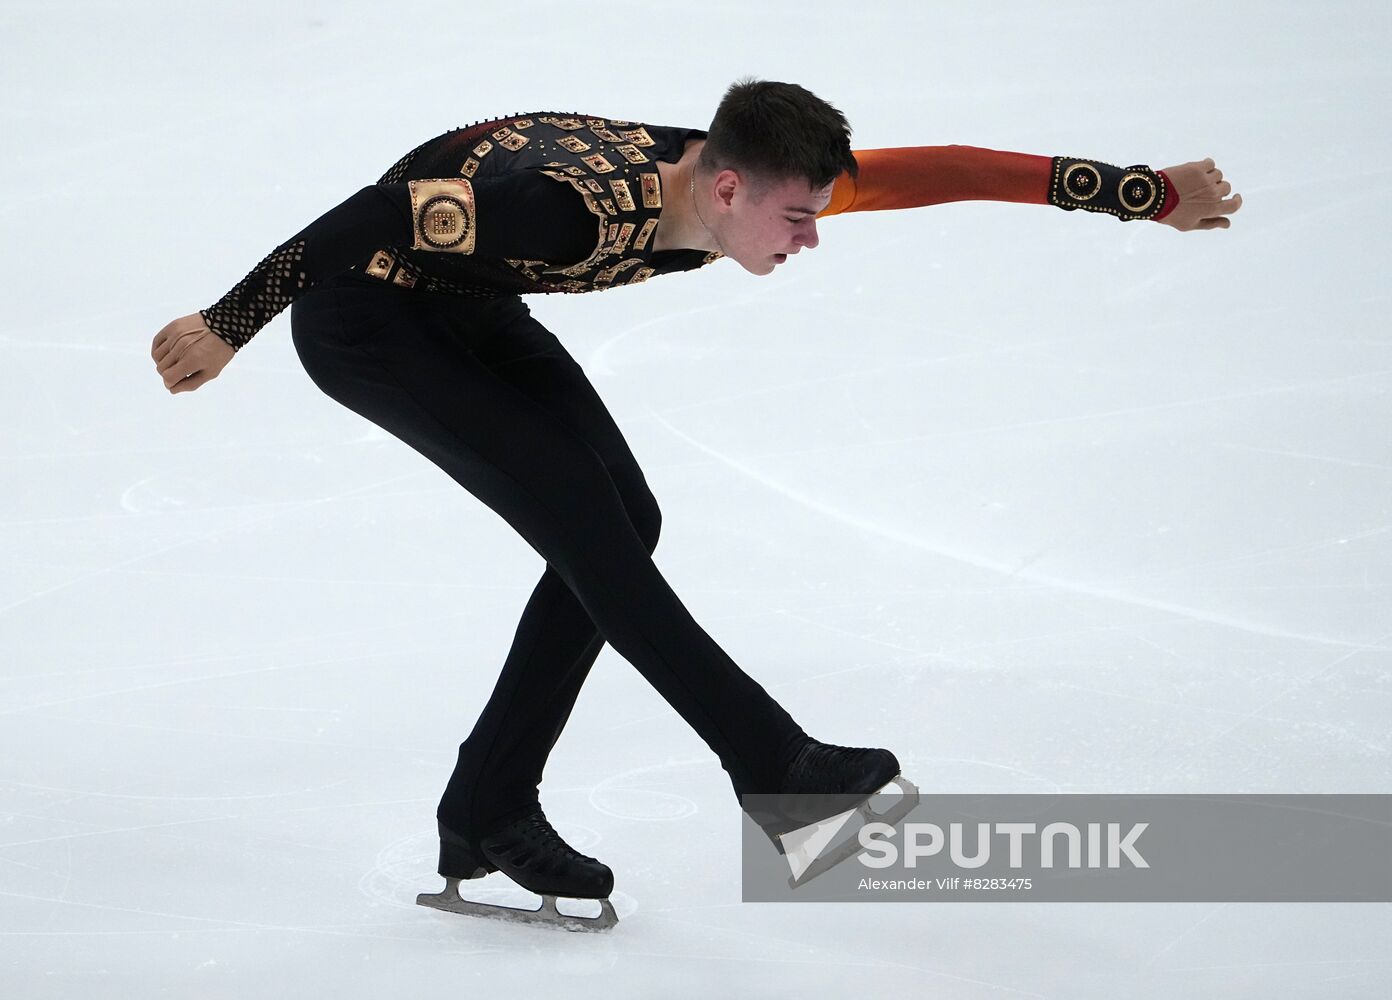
1082, 181
1137, 192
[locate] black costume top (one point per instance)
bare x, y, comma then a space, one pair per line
542, 202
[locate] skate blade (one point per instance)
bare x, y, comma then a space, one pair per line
797, 838
545, 915
801, 847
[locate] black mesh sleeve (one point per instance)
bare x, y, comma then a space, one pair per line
377, 216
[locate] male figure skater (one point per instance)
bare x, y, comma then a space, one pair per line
406, 308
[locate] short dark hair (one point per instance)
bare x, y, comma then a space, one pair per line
772, 131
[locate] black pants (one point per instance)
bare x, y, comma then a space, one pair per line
489, 395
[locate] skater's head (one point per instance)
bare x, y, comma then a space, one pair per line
770, 158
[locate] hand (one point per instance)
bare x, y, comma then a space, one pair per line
188, 354
1201, 188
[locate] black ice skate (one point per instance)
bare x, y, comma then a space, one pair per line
828, 788
531, 853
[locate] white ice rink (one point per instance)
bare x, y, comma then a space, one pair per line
1039, 500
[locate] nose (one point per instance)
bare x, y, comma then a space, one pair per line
809, 238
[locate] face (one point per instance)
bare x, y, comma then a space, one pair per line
762, 232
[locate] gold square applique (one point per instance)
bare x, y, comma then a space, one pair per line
514, 141
652, 190
380, 265
470, 167
482, 149
625, 234
632, 153
644, 234
622, 194
598, 163
443, 215
637, 136
573, 143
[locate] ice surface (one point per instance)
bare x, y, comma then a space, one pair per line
1042, 501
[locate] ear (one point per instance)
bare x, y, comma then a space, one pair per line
727, 182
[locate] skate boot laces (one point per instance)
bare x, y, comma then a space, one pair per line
826, 769
532, 843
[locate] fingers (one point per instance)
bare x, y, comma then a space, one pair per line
191, 382
165, 338
182, 357
176, 347
175, 375
182, 378
165, 343
177, 365
170, 359
162, 342
173, 331
1223, 208
1229, 206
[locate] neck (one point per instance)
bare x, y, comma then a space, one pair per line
680, 224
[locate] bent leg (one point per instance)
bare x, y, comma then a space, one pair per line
500, 765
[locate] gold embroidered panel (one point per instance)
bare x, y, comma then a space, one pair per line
443, 214
611, 164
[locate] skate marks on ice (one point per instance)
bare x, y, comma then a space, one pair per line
814, 849
1022, 572
634, 793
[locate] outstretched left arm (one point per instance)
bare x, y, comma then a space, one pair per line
1188, 196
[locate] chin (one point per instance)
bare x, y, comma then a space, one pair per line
764, 266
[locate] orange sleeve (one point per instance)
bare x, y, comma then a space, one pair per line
912, 176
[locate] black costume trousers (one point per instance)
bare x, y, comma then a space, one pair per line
490, 395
